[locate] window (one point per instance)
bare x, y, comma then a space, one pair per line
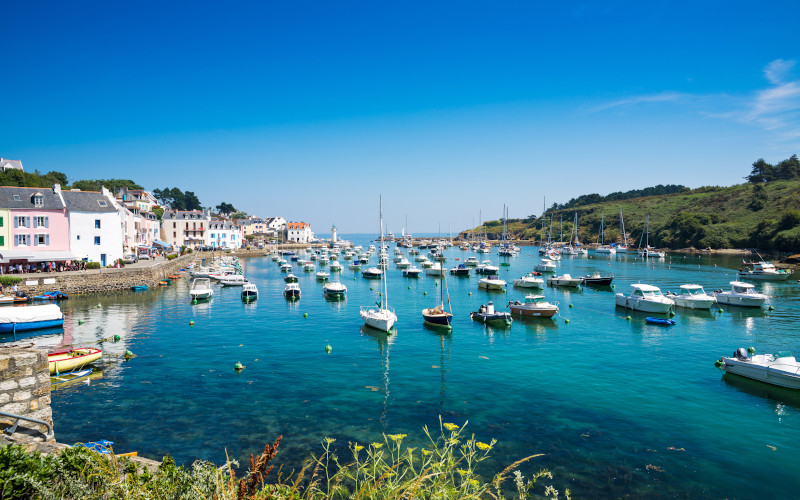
38, 200
22, 239
16, 197
102, 203
1, 221
41, 222
97, 223
41, 239
96, 240
79, 237
174, 225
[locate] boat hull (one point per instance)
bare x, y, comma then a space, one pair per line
766, 374
379, 320
730, 300
643, 305
490, 286
66, 361
747, 276
437, 318
694, 304
32, 325
533, 312
598, 281
494, 318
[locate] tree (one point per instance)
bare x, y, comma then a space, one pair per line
191, 201
239, 215
758, 198
788, 169
226, 208
761, 172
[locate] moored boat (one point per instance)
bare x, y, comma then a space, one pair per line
334, 289
646, 298
781, 368
741, 294
372, 273
530, 280
249, 292
534, 305
486, 267
763, 271
412, 272
597, 279
692, 297
72, 359
15, 319
492, 282
290, 278
292, 291
201, 289
564, 280
323, 276
487, 314
546, 266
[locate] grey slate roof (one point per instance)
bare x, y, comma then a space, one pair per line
183, 215
5, 163
51, 200
218, 224
87, 201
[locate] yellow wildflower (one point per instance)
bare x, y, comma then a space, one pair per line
450, 427
482, 446
329, 440
397, 437
358, 447
426, 452
376, 445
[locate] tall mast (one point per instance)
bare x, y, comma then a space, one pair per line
602, 216
622, 226
384, 299
561, 230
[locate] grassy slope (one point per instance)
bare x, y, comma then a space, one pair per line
737, 222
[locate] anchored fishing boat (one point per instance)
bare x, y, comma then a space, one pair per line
692, 297
334, 290
530, 280
741, 294
487, 314
564, 280
249, 292
16, 319
597, 279
492, 282
201, 289
646, 298
292, 291
781, 368
534, 305
763, 271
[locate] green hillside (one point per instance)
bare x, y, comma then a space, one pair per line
763, 215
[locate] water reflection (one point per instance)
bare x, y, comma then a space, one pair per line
774, 394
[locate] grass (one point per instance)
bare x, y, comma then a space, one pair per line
446, 467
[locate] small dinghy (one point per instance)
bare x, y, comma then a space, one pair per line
72, 359
487, 314
660, 321
139, 288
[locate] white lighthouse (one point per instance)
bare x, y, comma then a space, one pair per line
333, 234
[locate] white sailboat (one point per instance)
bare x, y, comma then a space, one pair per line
380, 316
604, 248
648, 251
624, 246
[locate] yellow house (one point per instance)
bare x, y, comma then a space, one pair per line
4, 231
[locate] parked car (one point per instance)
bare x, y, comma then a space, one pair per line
144, 256
129, 258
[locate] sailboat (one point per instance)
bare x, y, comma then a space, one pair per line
437, 315
604, 248
381, 317
648, 251
624, 246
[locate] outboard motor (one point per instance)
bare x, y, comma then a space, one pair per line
740, 354
490, 308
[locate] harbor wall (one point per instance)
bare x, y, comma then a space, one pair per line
25, 389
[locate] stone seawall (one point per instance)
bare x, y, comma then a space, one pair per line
25, 389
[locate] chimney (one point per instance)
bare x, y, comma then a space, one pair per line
56, 188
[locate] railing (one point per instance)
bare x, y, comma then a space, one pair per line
11, 430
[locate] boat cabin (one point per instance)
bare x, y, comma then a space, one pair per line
740, 287
646, 291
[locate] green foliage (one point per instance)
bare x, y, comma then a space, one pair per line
92, 265
225, 208
759, 198
7, 280
445, 466
13, 177
111, 184
762, 171
589, 199
239, 214
177, 199
159, 211
171, 256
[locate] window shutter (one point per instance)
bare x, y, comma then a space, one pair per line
27, 221
16, 240
1, 221
47, 222
2, 241
47, 239
35, 240
16, 224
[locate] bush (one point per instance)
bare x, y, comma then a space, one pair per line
6, 280
171, 256
92, 265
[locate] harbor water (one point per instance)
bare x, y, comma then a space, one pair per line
617, 406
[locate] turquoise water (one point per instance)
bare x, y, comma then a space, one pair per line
618, 407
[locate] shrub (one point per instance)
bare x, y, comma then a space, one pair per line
6, 280
92, 265
170, 256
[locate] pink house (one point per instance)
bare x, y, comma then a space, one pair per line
38, 225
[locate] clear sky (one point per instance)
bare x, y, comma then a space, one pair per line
311, 109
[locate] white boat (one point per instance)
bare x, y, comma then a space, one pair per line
492, 282
434, 270
781, 368
564, 280
648, 252
324, 259
471, 261
381, 316
249, 292
692, 297
334, 289
604, 248
646, 298
323, 276
404, 263
763, 271
355, 266
486, 267
201, 289
741, 294
529, 281
286, 268
233, 280
426, 264
292, 291
336, 267
420, 258
412, 272
372, 272
546, 266
313, 256
534, 305
309, 267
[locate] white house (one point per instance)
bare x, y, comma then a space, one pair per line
94, 226
224, 234
276, 223
6, 164
299, 232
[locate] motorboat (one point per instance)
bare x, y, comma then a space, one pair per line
487, 314
16, 319
533, 305
292, 291
460, 270
403, 263
781, 368
763, 271
471, 261
233, 280
692, 297
72, 359
492, 282
546, 266
372, 273
18, 298
313, 256
646, 298
336, 266
426, 264
651, 253
486, 267
530, 280
420, 258
435, 269
412, 272
309, 267
290, 278
334, 289
564, 280
741, 294
597, 279
323, 276
249, 292
354, 266
286, 268
201, 289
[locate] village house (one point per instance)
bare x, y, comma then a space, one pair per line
185, 227
224, 234
6, 164
136, 199
94, 226
277, 224
38, 229
299, 232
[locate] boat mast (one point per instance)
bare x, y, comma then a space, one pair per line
622, 226
561, 231
385, 298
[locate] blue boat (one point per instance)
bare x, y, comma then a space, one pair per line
660, 321
139, 288
17, 319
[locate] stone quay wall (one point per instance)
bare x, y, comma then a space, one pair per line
25, 389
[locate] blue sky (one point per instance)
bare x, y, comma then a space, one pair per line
311, 109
